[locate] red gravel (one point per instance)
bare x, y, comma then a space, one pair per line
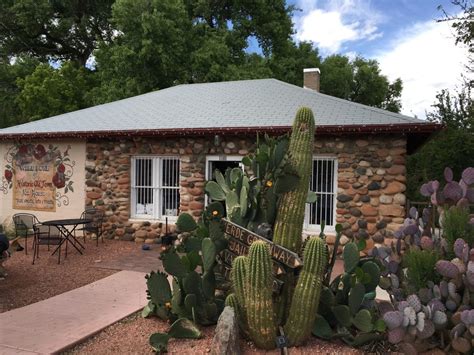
27, 283
130, 336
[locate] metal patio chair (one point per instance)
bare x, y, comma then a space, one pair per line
95, 226
46, 235
24, 226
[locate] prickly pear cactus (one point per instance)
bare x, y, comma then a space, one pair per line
290, 214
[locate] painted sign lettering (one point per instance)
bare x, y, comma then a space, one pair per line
33, 188
278, 253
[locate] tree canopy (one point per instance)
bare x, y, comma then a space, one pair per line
58, 56
454, 146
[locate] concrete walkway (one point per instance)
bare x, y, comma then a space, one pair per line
57, 323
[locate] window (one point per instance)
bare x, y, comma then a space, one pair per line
323, 181
222, 163
155, 187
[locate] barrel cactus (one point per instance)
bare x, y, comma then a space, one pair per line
290, 214
305, 301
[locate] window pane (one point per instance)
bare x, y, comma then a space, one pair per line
169, 195
170, 172
170, 202
143, 188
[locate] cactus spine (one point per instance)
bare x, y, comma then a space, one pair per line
290, 215
304, 305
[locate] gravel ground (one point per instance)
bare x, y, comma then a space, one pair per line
27, 283
130, 336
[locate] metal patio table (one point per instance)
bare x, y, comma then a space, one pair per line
68, 233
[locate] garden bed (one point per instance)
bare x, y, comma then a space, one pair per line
27, 283
130, 336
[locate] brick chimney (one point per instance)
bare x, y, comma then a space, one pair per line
311, 78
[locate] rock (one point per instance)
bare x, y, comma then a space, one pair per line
365, 198
361, 170
396, 170
392, 210
371, 228
368, 210
394, 187
399, 199
355, 212
385, 199
330, 239
364, 163
344, 240
344, 198
141, 234
378, 237
362, 234
374, 185
381, 224
362, 223
226, 337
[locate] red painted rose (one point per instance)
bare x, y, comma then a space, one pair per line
23, 149
8, 175
39, 152
59, 180
61, 168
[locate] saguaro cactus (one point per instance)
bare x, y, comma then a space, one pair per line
290, 216
304, 305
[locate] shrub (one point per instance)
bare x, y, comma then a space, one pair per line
456, 225
420, 266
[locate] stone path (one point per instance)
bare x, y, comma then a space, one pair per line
57, 323
138, 260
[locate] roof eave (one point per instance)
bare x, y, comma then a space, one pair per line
405, 128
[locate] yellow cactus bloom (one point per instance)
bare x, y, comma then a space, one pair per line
215, 213
269, 183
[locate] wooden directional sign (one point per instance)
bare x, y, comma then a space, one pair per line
228, 256
278, 253
277, 284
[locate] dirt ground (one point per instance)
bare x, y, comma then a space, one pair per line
130, 336
27, 283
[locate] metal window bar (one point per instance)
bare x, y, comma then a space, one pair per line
322, 182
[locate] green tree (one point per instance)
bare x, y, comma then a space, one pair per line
288, 64
10, 72
48, 92
54, 30
359, 80
452, 147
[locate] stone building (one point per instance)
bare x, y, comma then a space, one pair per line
145, 159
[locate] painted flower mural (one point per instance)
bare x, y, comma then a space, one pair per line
40, 155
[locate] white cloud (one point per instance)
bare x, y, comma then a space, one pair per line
340, 22
427, 60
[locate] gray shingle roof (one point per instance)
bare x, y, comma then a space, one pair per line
246, 103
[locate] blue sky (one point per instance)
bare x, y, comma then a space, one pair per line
402, 35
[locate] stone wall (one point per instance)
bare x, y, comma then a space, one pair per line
371, 180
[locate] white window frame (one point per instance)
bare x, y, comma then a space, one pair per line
156, 186
223, 157
316, 228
